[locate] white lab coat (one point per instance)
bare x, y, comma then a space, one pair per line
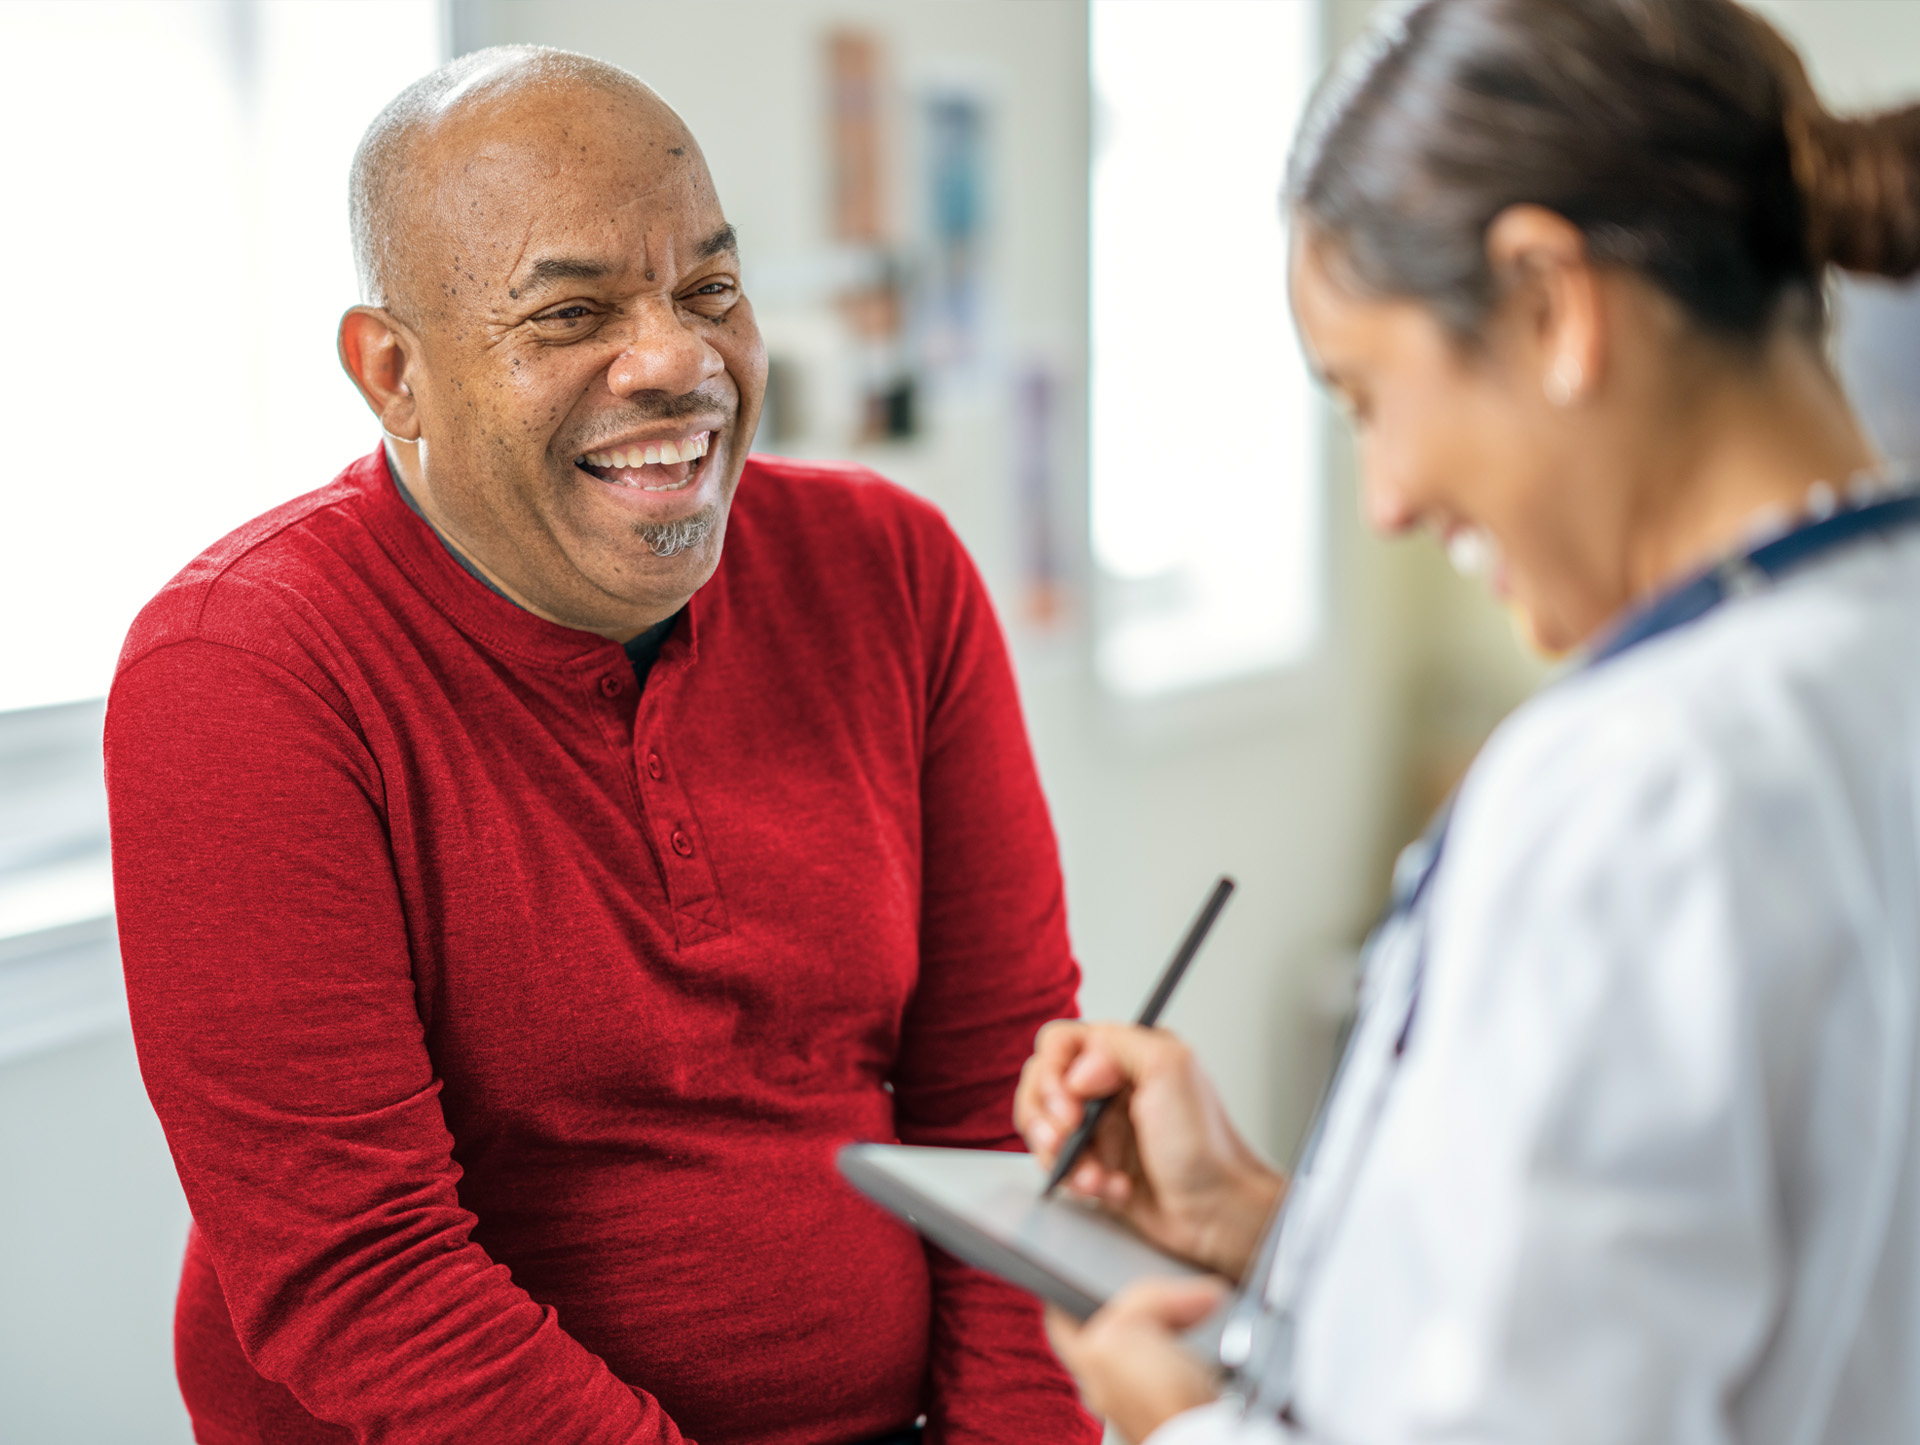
1649, 1169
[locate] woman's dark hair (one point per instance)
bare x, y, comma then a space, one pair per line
1682, 137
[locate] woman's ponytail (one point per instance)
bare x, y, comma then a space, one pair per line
1861, 180
1859, 176
1683, 137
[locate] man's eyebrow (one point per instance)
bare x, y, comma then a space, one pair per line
549, 269
563, 268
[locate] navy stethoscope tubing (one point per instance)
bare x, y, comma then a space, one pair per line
1256, 1340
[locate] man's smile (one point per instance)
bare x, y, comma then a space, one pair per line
663, 464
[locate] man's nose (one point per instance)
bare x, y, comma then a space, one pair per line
664, 353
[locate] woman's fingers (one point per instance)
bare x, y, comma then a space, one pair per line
1104, 1169
1063, 1333
1165, 1155
1068, 1069
1117, 1054
1169, 1305
1074, 1063
1173, 1304
1093, 1073
1043, 1110
1128, 1359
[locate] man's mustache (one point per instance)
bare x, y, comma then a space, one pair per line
653, 406
657, 406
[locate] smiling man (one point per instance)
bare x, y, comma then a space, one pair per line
522, 895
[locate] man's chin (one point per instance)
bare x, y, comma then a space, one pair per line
662, 543
684, 537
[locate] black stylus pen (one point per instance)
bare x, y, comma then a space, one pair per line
1078, 1140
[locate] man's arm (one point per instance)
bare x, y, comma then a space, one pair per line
271, 990
994, 965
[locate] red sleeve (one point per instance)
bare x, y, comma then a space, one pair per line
272, 999
995, 965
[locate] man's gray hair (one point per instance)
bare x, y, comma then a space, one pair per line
670, 539
382, 163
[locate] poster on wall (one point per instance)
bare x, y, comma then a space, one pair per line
954, 182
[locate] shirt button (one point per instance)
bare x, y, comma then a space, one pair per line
612, 684
682, 844
654, 770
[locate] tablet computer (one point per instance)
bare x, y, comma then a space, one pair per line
984, 1207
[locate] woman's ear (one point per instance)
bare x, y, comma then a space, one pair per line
377, 352
1545, 273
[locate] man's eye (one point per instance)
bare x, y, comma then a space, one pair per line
714, 288
565, 313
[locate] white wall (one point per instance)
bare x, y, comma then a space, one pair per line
92, 1228
1862, 54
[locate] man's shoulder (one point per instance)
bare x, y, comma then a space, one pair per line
833, 494
837, 539
838, 518
241, 590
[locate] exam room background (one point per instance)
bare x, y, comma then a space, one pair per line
947, 347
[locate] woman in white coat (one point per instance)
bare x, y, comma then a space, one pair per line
1627, 1142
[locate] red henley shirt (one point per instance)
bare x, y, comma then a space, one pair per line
504, 1019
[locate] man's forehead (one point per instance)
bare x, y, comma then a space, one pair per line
626, 141
561, 182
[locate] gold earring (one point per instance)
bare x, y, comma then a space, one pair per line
1563, 381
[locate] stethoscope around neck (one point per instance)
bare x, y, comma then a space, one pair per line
1257, 1335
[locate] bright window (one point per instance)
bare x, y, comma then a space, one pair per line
176, 247
1205, 495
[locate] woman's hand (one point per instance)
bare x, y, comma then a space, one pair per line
1128, 1358
1165, 1156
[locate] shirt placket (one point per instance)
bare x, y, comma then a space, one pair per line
666, 812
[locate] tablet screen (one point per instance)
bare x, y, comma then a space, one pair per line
985, 1207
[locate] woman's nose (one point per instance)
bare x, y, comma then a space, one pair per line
1386, 507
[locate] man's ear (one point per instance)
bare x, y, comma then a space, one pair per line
378, 353
1541, 261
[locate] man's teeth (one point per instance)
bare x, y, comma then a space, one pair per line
653, 454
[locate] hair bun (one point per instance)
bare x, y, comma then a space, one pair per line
1859, 176
1682, 137
1860, 180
